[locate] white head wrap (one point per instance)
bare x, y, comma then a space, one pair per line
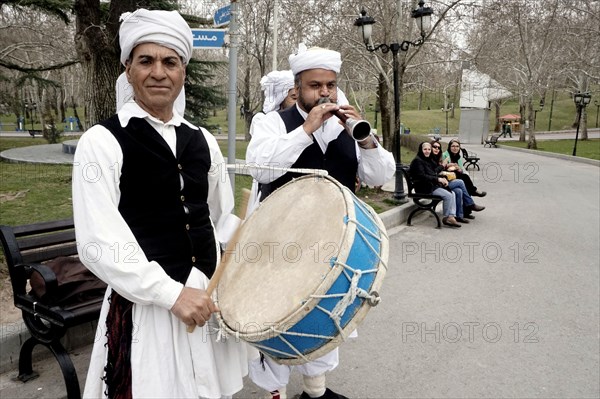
276, 85
125, 94
166, 28
313, 58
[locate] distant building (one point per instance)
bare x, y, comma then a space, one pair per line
476, 92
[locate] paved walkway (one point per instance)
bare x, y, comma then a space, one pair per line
507, 306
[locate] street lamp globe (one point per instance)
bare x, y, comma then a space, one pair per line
422, 16
364, 24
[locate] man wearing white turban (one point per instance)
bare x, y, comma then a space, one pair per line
308, 135
278, 89
279, 93
150, 213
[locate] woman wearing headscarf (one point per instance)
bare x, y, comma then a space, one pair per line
464, 202
453, 162
424, 174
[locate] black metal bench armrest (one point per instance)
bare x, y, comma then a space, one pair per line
49, 277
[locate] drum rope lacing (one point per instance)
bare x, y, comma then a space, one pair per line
347, 298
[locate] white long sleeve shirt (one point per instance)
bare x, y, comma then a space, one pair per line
272, 145
105, 242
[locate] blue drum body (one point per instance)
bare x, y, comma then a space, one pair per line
347, 290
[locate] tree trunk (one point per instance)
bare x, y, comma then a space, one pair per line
583, 131
76, 115
522, 133
497, 112
100, 75
532, 143
98, 50
61, 104
247, 114
386, 115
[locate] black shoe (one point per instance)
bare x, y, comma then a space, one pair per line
476, 208
469, 216
329, 394
479, 194
461, 220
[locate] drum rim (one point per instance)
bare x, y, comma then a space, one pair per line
362, 311
295, 315
325, 285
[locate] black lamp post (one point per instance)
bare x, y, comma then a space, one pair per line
581, 101
597, 104
364, 23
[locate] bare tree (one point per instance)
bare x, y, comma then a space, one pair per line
535, 46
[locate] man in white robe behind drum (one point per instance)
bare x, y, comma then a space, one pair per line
150, 206
308, 135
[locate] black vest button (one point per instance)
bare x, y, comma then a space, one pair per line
179, 166
193, 259
187, 226
182, 198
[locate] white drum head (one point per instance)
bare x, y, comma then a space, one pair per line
282, 256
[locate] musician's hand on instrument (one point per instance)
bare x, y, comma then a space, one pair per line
317, 115
194, 306
350, 112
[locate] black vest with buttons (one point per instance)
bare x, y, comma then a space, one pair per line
339, 160
170, 223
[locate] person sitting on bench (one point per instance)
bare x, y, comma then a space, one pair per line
465, 204
426, 180
453, 162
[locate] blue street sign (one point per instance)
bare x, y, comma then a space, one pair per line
222, 16
209, 38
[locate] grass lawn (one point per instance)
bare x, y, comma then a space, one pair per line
31, 193
585, 148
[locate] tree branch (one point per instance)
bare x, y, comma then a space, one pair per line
20, 68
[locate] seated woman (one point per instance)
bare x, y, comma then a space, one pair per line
464, 202
453, 162
425, 176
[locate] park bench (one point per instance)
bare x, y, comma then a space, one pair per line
424, 202
33, 132
470, 159
49, 316
492, 141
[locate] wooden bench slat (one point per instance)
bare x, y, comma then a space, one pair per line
43, 227
46, 240
42, 255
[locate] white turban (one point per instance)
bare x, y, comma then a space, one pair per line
313, 58
125, 94
276, 86
166, 28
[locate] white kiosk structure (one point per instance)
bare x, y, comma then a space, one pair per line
476, 92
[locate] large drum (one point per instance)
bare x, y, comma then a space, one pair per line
305, 271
